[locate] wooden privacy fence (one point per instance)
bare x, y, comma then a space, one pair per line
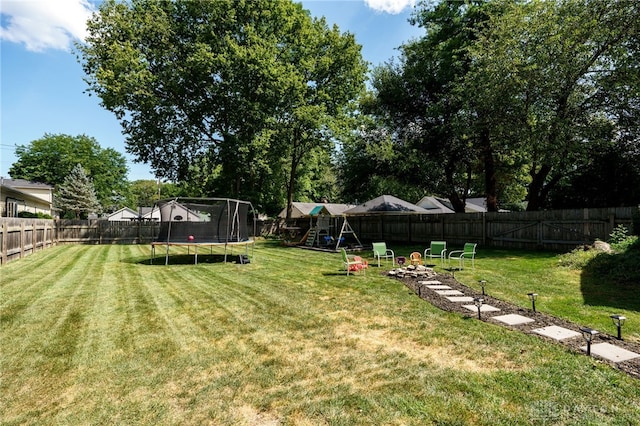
21, 237
105, 231
560, 230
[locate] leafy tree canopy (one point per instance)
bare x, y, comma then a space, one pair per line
527, 93
556, 83
220, 92
51, 159
144, 193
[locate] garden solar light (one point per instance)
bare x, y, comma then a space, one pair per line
618, 321
588, 334
482, 284
478, 302
533, 296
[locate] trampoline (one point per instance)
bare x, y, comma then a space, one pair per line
204, 222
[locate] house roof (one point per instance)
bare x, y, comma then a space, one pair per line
386, 204
124, 212
24, 184
434, 205
472, 205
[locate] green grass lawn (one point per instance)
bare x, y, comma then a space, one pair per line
563, 292
97, 335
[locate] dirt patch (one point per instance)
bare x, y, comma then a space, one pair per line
631, 367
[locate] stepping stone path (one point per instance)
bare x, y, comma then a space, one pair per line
611, 352
557, 333
483, 308
513, 319
449, 292
606, 351
460, 299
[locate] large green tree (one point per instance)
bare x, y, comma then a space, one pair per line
373, 161
51, 159
419, 102
196, 84
552, 80
525, 93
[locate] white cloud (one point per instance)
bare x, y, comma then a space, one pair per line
390, 6
44, 24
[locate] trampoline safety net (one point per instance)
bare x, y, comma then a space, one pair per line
204, 220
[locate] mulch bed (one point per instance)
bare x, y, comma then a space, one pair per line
631, 367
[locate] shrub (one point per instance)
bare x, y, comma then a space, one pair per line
619, 234
29, 215
578, 258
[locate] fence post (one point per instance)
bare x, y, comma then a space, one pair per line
484, 229
585, 217
612, 223
5, 235
22, 238
540, 233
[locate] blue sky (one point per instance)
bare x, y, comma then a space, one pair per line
42, 87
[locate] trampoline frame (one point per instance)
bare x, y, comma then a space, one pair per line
232, 220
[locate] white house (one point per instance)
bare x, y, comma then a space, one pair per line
124, 213
20, 195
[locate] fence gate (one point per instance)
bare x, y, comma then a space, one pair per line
551, 232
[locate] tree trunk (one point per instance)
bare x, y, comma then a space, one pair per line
534, 197
489, 171
457, 203
292, 173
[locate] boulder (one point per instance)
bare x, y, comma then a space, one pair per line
602, 246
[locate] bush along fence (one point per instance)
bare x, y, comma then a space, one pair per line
559, 230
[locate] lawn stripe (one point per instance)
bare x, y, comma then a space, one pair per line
52, 330
283, 340
16, 297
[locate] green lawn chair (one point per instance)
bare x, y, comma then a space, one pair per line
437, 250
352, 264
380, 251
468, 252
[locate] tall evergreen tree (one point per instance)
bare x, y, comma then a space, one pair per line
77, 194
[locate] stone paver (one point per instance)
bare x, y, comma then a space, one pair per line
429, 282
483, 308
449, 292
611, 352
513, 319
460, 298
556, 332
438, 287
